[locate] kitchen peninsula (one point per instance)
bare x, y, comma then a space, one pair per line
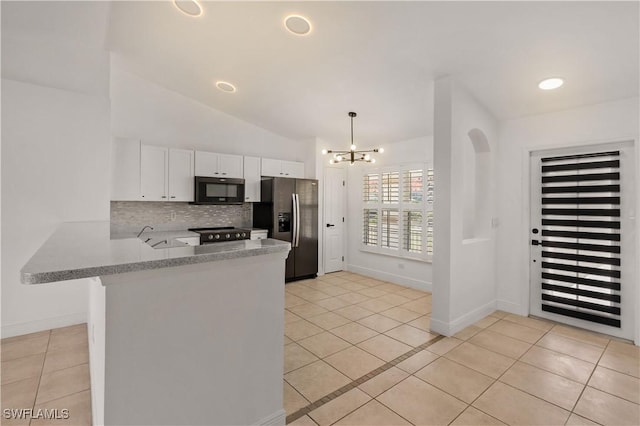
180, 335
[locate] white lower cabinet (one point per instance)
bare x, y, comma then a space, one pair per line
252, 179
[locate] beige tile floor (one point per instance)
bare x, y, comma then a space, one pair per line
47, 370
505, 369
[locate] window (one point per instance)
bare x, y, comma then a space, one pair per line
390, 231
370, 228
398, 211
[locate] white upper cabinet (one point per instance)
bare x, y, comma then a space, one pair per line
218, 165
293, 169
166, 174
231, 166
154, 164
181, 173
271, 167
281, 168
252, 179
125, 169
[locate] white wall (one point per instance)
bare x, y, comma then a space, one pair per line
157, 116
463, 268
409, 272
53, 170
55, 137
592, 124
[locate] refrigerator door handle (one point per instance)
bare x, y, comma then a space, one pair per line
297, 220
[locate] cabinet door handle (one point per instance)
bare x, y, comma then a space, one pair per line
164, 196
173, 196
224, 173
215, 173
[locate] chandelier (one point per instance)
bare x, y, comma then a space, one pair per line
352, 155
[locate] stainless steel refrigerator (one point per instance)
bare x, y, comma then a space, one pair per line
289, 211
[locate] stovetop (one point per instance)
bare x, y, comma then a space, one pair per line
220, 234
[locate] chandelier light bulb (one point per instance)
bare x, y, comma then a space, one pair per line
324, 152
339, 157
367, 157
332, 161
353, 147
380, 150
373, 160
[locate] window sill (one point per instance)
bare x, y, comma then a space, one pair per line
396, 254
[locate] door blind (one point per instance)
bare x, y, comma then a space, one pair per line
580, 237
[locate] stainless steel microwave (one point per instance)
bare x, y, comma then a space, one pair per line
214, 190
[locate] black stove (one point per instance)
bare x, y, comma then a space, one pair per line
220, 234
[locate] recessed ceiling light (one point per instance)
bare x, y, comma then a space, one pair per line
189, 7
225, 87
298, 25
551, 83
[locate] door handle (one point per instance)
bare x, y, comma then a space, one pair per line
536, 242
330, 225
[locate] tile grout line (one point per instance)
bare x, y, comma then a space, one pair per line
354, 384
535, 396
35, 398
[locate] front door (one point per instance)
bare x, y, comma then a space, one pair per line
582, 237
334, 205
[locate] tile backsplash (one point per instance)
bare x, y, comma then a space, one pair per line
130, 216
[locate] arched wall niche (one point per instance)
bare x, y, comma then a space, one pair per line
477, 212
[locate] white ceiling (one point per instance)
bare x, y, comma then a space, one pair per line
376, 58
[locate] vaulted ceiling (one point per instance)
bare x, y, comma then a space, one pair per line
376, 58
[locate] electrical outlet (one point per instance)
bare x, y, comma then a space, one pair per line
173, 216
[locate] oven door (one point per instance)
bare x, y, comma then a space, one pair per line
211, 190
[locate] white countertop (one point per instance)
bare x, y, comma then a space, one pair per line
87, 249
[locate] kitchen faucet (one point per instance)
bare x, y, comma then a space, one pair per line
159, 242
142, 230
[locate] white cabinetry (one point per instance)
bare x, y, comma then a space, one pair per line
293, 169
252, 179
181, 175
125, 169
166, 174
281, 168
154, 164
218, 165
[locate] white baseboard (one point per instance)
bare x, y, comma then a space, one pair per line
392, 278
512, 308
452, 327
276, 419
18, 329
